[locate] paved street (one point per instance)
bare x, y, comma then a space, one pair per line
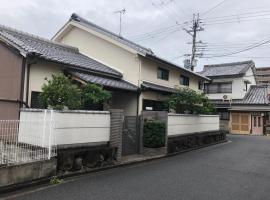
234, 171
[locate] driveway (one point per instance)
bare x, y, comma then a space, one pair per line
236, 170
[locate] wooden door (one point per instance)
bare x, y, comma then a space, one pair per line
257, 125
240, 123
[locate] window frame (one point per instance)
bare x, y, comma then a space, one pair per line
186, 80
161, 75
219, 88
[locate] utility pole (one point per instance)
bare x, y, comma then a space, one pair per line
196, 27
120, 12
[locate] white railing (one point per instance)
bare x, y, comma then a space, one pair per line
18, 145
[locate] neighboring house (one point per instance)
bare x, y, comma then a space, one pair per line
157, 78
27, 61
263, 76
243, 106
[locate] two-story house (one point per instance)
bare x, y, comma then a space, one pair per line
157, 78
27, 61
242, 105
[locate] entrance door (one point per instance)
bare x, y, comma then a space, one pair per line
257, 125
240, 123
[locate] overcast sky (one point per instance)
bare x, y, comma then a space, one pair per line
45, 18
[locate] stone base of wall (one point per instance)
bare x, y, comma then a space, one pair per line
10, 175
75, 159
187, 142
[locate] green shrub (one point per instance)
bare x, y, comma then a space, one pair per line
154, 134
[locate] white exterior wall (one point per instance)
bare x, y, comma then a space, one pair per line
149, 74
238, 86
183, 124
38, 74
69, 128
104, 51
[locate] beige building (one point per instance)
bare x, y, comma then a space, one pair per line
156, 77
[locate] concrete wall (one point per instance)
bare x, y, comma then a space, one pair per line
39, 74
69, 127
238, 86
183, 124
10, 82
26, 172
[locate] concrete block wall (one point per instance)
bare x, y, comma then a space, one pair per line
117, 119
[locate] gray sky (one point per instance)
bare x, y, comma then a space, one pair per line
45, 17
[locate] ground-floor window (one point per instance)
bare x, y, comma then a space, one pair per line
35, 100
152, 105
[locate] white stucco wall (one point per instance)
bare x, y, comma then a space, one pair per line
183, 124
104, 51
68, 128
38, 74
238, 86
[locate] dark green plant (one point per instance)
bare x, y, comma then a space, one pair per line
154, 134
60, 93
94, 96
189, 101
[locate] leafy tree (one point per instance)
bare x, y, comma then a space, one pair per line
94, 96
188, 100
60, 93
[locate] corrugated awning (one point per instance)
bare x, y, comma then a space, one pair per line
106, 82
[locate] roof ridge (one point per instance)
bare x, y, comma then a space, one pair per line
78, 18
230, 64
40, 39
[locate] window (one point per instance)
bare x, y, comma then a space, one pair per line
152, 105
35, 100
223, 114
163, 74
200, 85
184, 80
218, 88
259, 122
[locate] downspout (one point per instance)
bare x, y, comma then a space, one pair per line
22, 81
139, 85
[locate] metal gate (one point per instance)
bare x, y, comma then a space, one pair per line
130, 136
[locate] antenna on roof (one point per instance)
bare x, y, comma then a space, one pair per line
121, 12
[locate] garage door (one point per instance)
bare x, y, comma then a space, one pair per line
240, 123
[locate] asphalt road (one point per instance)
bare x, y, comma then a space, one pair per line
236, 170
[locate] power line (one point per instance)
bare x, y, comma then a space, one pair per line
213, 8
240, 51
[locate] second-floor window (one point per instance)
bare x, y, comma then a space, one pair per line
163, 74
215, 88
184, 80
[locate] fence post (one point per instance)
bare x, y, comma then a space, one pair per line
50, 135
44, 127
116, 128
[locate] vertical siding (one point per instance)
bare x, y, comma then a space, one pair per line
10, 82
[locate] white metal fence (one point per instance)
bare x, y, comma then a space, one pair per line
18, 147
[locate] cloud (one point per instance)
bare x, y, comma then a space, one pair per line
44, 18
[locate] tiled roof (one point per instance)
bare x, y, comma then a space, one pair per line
112, 83
110, 34
257, 95
227, 69
53, 51
155, 87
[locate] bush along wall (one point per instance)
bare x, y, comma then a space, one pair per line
154, 134
193, 141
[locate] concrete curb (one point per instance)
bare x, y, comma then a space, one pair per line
12, 189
